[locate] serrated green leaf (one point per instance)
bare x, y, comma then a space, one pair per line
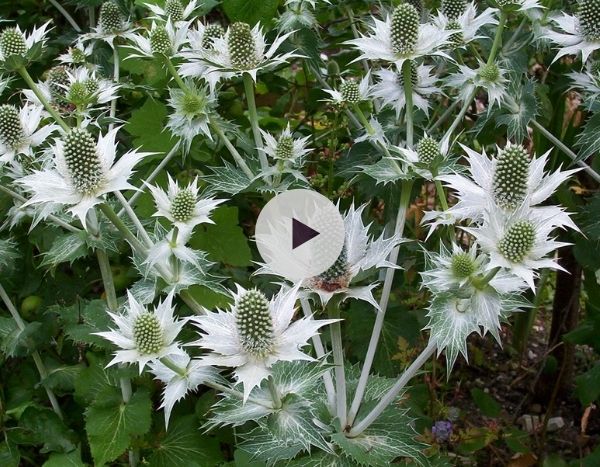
588, 385
486, 403
83, 319
111, 424
95, 379
15, 342
250, 11
65, 248
588, 140
227, 179
71, 459
384, 171
46, 429
147, 125
62, 378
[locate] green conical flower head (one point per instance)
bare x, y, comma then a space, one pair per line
595, 69
91, 85
285, 148
212, 31
453, 8
428, 150
58, 82
490, 72
511, 177
350, 91
78, 94
11, 130
159, 41
12, 42
148, 334
183, 205
588, 13
174, 10
517, 241
337, 270
111, 18
414, 75
508, 3
242, 49
456, 38
81, 158
405, 29
254, 323
462, 265
193, 104
77, 55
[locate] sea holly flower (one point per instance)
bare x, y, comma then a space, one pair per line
112, 23
255, 334
183, 207
488, 76
579, 32
18, 48
86, 90
19, 133
162, 39
518, 5
179, 384
77, 55
173, 10
173, 245
142, 335
588, 82
287, 152
400, 37
82, 171
192, 110
390, 88
463, 21
350, 91
201, 44
427, 159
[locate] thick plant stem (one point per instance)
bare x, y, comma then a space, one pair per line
459, 117
51, 110
175, 74
383, 304
134, 218
391, 395
277, 404
112, 216
497, 38
444, 116
116, 78
231, 148
338, 361
441, 194
249, 90
560, 145
408, 95
37, 359
66, 14
320, 351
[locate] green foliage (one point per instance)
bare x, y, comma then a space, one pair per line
147, 126
250, 11
486, 403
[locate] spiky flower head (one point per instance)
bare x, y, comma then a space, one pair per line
338, 274
174, 10
418, 4
193, 103
489, 72
77, 55
82, 161
457, 37
511, 175
111, 18
160, 43
11, 130
453, 8
254, 323
58, 80
147, 333
518, 241
588, 12
211, 31
285, 148
12, 42
463, 265
242, 48
405, 29
183, 205
350, 91
428, 150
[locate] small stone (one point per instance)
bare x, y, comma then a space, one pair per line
555, 424
530, 423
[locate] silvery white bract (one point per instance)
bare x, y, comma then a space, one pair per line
142, 335
350, 91
488, 76
587, 82
255, 334
429, 158
86, 90
173, 244
78, 54
13, 41
83, 170
112, 23
519, 5
177, 384
467, 24
287, 152
173, 10
20, 132
165, 39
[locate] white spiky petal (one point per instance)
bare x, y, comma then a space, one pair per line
570, 40
469, 22
32, 38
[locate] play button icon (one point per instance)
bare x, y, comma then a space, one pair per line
299, 234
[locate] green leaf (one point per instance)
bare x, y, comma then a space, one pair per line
517, 440
250, 11
45, 428
384, 171
83, 319
185, 446
65, 248
71, 459
588, 140
94, 380
224, 241
63, 377
9, 455
15, 342
588, 385
111, 424
147, 125
227, 179
486, 403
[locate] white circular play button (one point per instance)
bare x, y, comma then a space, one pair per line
299, 234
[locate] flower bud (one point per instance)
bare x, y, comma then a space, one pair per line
254, 323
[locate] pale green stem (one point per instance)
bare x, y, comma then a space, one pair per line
408, 95
481, 282
253, 114
112, 216
444, 116
498, 38
66, 14
363, 120
171, 365
134, 218
277, 404
560, 145
231, 148
441, 194
51, 110
460, 116
37, 359
175, 74
338, 361
383, 304
391, 395
116, 78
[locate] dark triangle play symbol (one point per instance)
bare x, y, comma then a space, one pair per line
301, 233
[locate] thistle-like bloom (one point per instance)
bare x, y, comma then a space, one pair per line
77, 55
19, 132
350, 91
112, 23
143, 335
15, 43
463, 21
587, 82
182, 206
192, 109
489, 77
86, 90
201, 44
242, 50
400, 37
83, 170
287, 152
178, 384
426, 159
173, 10
255, 334
360, 253
580, 33
518, 5
160, 40
390, 88
174, 244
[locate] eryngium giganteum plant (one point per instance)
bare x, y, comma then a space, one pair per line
138, 143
